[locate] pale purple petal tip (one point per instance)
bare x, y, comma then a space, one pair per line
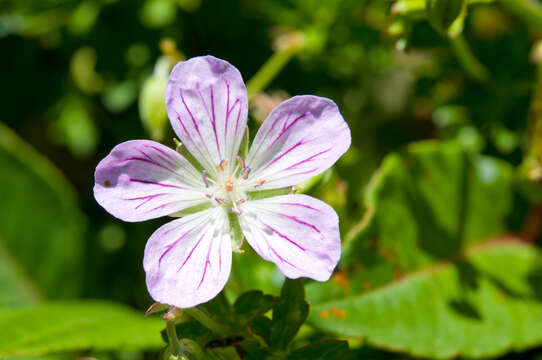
301, 138
299, 233
188, 261
207, 105
143, 179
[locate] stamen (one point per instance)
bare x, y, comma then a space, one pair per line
245, 172
259, 182
221, 201
236, 211
228, 184
204, 176
222, 166
240, 201
241, 162
209, 195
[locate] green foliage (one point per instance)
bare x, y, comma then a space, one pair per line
74, 326
485, 305
428, 203
41, 227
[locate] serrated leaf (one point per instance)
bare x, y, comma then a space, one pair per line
322, 350
76, 325
483, 306
41, 227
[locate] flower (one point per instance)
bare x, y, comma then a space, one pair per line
188, 260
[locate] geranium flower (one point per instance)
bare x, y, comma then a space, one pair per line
188, 260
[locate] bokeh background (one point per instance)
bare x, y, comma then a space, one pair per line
444, 102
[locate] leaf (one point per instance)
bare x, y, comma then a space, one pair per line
483, 306
289, 314
427, 204
76, 325
41, 227
323, 350
251, 304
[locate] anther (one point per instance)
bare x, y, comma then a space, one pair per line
209, 195
240, 201
222, 166
221, 201
236, 211
241, 162
258, 182
204, 176
245, 172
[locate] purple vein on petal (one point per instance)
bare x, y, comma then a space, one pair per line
302, 205
207, 262
213, 119
145, 199
162, 154
156, 183
190, 113
277, 254
293, 218
170, 246
300, 142
286, 127
283, 236
192, 251
307, 159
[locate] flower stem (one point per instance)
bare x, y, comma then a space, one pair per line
528, 10
207, 321
269, 70
476, 70
172, 336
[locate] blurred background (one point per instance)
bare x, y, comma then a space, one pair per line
443, 98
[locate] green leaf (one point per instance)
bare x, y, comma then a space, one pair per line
41, 227
76, 325
427, 204
323, 350
483, 306
251, 304
289, 314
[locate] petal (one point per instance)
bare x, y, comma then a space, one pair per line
141, 180
301, 138
188, 261
207, 105
299, 233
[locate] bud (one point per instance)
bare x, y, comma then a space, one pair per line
152, 108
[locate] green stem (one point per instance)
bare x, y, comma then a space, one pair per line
269, 70
172, 336
528, 10
207, 321
466, 58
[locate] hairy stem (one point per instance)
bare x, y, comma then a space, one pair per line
172, 337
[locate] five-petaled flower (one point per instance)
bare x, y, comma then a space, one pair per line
188, 260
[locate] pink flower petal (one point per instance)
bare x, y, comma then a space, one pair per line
188, 261
299, 233
141, 180
207, 105
301, 138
